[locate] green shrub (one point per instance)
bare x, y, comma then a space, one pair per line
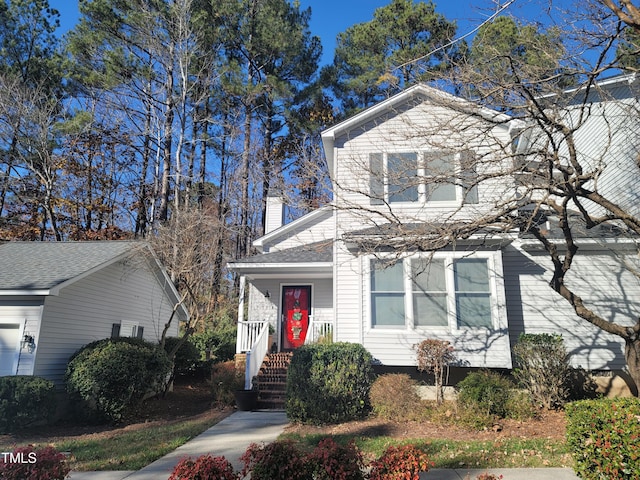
34, 464
218, 344
394, 397
543, 368
604, 437
24, 401
280, 460
112, 375
187, 359
519, 406
486, 391
329, 383
205, 467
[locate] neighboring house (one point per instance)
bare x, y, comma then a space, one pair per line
56, 297
338, 270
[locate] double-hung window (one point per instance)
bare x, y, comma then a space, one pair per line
446, 291
387, 294
422, 177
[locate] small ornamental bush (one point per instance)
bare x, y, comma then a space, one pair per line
28, 463
400, 463
486, 391
204, 467
225, 379
604, 438
394, 397
434, 356
280, 460
332, 461
543, 368
329, 383
112, 375
24, 401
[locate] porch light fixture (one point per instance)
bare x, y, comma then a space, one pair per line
267, 294
28, 342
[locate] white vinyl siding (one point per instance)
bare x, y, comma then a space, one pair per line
600, 277
86, 310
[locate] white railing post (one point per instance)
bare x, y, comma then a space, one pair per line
259, 346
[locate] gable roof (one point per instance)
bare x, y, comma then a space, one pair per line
393, 104
44, 268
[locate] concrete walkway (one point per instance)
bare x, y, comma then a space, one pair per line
231, 437
228, 438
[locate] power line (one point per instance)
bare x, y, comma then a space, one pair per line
499, 10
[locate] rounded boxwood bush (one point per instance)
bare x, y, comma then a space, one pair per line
329, 383
24, 401
487, 391
112, 375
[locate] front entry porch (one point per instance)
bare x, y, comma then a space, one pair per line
280, 316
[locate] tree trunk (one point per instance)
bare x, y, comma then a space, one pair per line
632, 356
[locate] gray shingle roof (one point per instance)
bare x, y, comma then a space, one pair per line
44, 265
318, 252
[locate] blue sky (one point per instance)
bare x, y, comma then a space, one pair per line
330, 17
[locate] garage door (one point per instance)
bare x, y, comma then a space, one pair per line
9, 338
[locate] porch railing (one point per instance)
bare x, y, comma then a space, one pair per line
320, 332
248, 333
258, 335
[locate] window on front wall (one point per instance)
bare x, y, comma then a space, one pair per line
438, 292
387, 294
422, 177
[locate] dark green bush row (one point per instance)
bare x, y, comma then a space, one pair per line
604, 437
24, 401
110, 376
329, 383
187, 360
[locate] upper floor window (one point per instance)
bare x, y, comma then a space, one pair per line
422, 177
443, 291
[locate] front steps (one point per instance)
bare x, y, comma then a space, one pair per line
272, 381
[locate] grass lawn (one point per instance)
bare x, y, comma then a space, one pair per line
503, 453
134, 449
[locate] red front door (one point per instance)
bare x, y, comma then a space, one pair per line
296, 308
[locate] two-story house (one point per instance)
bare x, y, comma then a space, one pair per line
395, 258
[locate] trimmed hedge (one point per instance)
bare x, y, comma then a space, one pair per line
110, 376
329, 383
604, 437
24, 401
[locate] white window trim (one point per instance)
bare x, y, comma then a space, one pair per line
496, 290
422, 175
